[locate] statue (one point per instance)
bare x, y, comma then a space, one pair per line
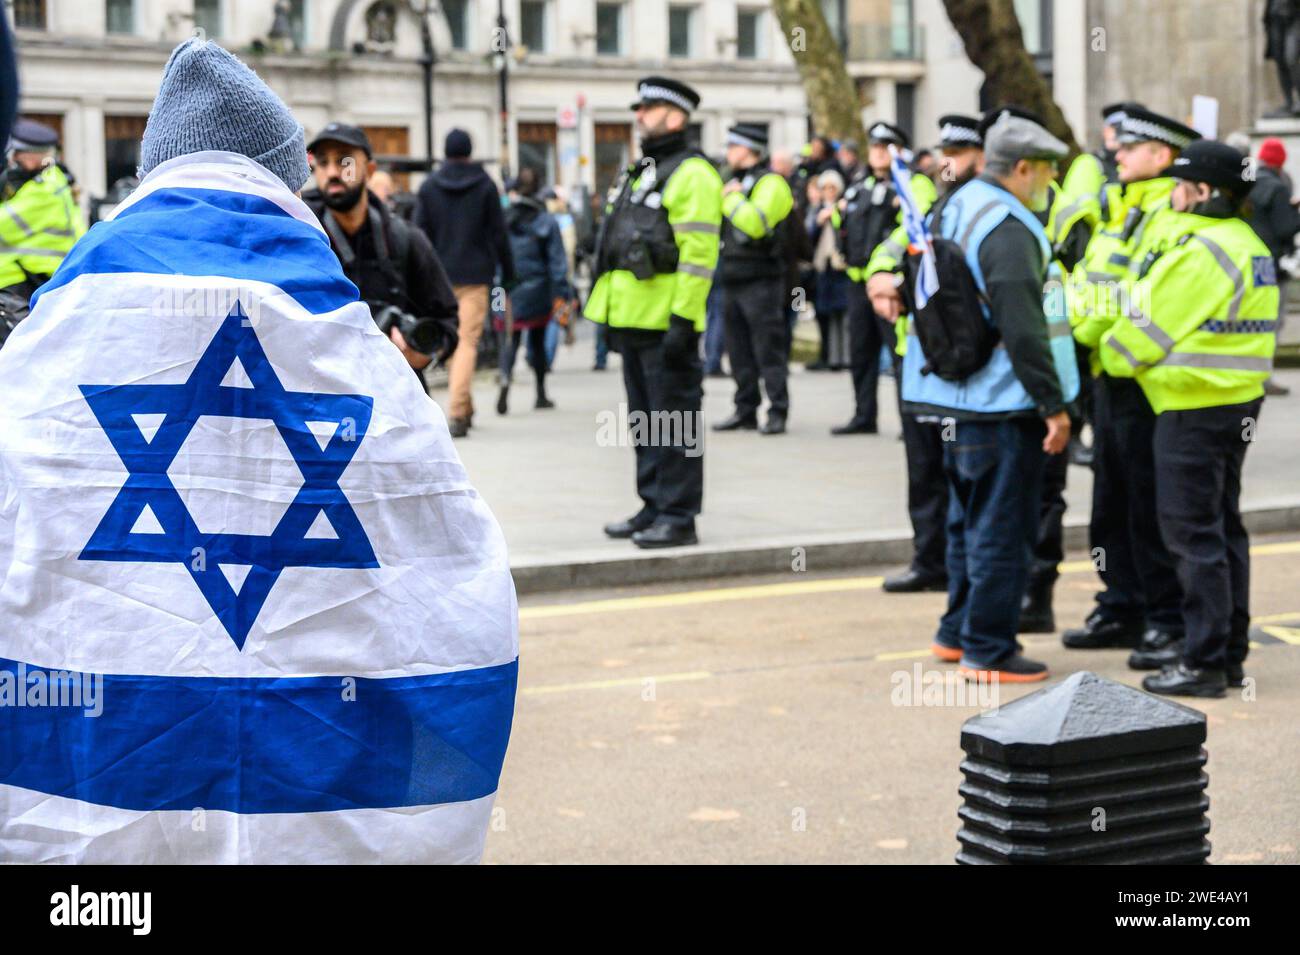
280, 38
381, 26
1282, 29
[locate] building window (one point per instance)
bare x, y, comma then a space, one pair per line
120, 16
207, 17
532, 25
902, 30
457, 14
609, 29
122, 135
681, 21
613, 152
749, 34
29, 14
537, 149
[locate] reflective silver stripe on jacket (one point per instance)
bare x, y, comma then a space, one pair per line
1234, 273
707, 227
1123, 351
892, 248
18, 220
24, 250
975, 220
1219, 362
691, 268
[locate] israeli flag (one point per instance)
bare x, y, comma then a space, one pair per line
251, 608
918, 233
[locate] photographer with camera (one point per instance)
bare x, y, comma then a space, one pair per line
392, 264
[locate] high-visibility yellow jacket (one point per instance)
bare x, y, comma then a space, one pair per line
1200, 328
1115, 253
38, 227
763, 209
692, 197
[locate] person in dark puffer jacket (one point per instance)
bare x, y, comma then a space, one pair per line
541, 283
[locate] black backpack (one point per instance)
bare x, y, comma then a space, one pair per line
957, 338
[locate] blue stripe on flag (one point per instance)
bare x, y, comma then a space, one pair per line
213, 232
266, 744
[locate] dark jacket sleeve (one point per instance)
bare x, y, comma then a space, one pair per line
1013, 275
557, 262
496, 227
1283, 219
8, 81
430, 291
423, 219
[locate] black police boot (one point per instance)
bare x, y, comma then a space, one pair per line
1179, 679
1102, 632
1235, 675
1157, 650
621, 530
1036, 608
856, 426
775, 423
738, 422
913, 581
664, 534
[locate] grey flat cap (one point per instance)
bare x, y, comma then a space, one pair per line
1013, 138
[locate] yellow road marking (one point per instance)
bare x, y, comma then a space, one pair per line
1287, 634
686, 598
607, 684
797, 589
902, 654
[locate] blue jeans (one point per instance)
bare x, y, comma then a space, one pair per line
602, 344
714, 335
994, 471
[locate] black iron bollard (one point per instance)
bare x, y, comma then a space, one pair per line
1088, 771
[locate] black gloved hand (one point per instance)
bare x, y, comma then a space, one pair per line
679, 341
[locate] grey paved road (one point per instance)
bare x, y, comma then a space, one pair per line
705, 724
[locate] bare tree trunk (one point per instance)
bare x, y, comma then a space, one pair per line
831, 93
991, 34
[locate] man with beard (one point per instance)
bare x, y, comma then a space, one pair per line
655, 256
390, 262
927, 491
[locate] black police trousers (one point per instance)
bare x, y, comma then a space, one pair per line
1199, 456
666, 428
1124, 532
867, 333
757, 342
927, 492
1049, 549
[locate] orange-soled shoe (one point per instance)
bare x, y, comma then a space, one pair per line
1014, 669
945, 653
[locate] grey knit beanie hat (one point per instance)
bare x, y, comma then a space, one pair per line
210, 100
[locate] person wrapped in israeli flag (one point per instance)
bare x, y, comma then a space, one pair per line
918, 233
251, 608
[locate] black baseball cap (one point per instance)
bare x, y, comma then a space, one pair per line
345, 134
1215, 163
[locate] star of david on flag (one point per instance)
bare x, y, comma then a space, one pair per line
149, 521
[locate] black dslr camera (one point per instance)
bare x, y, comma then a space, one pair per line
425, 335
